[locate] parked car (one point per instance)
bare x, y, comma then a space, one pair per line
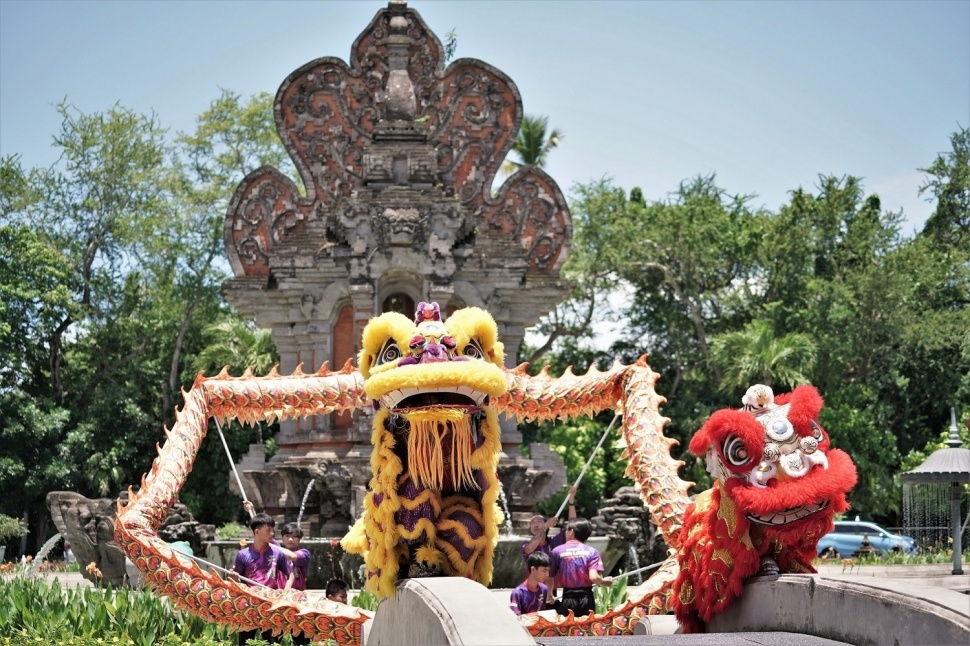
847, 538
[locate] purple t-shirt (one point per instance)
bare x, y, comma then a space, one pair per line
301, 568
571, 563
551, 543
270, 567
524, 600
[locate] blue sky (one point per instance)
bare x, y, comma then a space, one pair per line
767, 95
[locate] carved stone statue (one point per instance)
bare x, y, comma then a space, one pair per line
88, 526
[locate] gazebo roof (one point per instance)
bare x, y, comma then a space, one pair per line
950, 464
944, 465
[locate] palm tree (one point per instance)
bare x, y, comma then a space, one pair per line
239, 345
754, 356
532, 145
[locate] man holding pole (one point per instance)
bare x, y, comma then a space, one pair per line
263, 563
539, 528
576, 568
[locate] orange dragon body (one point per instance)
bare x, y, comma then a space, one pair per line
626, 389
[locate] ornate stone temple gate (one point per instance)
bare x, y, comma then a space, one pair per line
397, 154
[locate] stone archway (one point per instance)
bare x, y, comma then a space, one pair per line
397, 153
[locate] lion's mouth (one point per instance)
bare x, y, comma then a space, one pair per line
405, 399
789, 515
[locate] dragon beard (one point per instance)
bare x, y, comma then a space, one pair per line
440, 446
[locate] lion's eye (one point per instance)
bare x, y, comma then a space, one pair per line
390, 352
816, 431
474, 350
735, 452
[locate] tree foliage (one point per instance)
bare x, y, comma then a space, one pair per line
949, 185
754, 355
533, 144
110, 270
111, 263
825, 290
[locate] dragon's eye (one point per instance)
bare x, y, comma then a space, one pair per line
474, 350
389, 352
816, 431
735, 452
779, 430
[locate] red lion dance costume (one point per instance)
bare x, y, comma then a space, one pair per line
777, 487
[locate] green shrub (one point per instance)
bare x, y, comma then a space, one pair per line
610, 597
33, 611
366, 600
231, 531
11, 527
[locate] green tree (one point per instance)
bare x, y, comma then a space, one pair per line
533, 144
755, 355
233, 137
34, 460
35, 296
86, 216
237, 345
592, 279
949, 184
114, 264
99, 203
451, 45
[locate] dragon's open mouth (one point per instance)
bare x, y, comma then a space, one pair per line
451, 397
789, 515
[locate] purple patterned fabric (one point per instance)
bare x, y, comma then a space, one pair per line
523, 600
408, 518
571, 563
269, 567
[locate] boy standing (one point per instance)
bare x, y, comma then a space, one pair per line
576, 568
264, 563
530, 595
299, 557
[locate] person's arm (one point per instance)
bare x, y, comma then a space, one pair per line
514, 602
290, 573
571, 514
533, 545
238, 568
288, 554
552, 587
598, 579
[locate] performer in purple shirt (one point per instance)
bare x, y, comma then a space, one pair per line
539, 528
264, 563
530, 595
576, 567
300, 557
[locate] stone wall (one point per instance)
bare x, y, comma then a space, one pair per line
625, 516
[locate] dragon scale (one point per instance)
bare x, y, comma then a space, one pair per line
625, 388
